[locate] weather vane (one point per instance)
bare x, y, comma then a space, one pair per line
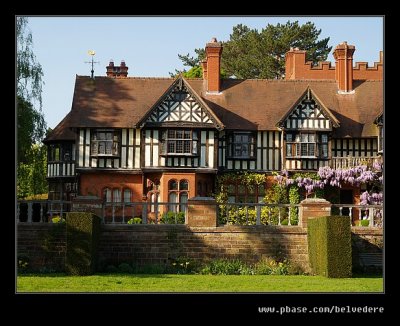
92, 53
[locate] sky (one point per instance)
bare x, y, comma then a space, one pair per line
150, 45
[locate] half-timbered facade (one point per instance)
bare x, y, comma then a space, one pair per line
130, 139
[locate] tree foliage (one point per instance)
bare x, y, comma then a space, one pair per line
29, 71
250, 53
32, 175
31, 125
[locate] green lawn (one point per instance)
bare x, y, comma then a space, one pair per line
195, 283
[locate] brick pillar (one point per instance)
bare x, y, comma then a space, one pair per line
313, 207
202, 211
92, 204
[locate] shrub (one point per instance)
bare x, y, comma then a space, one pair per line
294, 198
111, 269
364, 222
47, 270
58, 219
182, 265
270, 266
295, 269
223, 267
236, 215
241, 215
37, 197
329, 246
276, 195
173, 218
125, 268
285, 222
82, 238
135, 220
23, 263
246, 270
149, 269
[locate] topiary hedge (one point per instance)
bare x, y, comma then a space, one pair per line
329, 246
82, 237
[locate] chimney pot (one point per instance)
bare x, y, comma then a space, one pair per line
117, 71
214, 40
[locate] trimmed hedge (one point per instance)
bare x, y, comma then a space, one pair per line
329, 246
82, 237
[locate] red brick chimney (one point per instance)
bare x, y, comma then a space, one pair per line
117, 71
204, 67
295, 60
343, 55
212, 75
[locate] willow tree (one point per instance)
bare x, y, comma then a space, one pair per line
31, 126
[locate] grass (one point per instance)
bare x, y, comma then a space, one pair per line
195, 283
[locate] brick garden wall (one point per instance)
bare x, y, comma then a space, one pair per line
44, 244
161, 244
365, 240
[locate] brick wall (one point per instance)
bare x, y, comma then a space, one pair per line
94, 184
45, 245
365, 240
159, 244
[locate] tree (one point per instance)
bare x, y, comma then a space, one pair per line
31, 125
253, 54
32, 176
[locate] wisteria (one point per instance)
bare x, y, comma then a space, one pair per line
373, 198
354, 176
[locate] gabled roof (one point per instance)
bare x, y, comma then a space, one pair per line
61, 132
181, 83
310, 94
114, 102
252, 104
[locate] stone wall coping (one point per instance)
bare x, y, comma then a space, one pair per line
366, 230
315, 201
196, 229
219, 229
202, 199
86, 198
